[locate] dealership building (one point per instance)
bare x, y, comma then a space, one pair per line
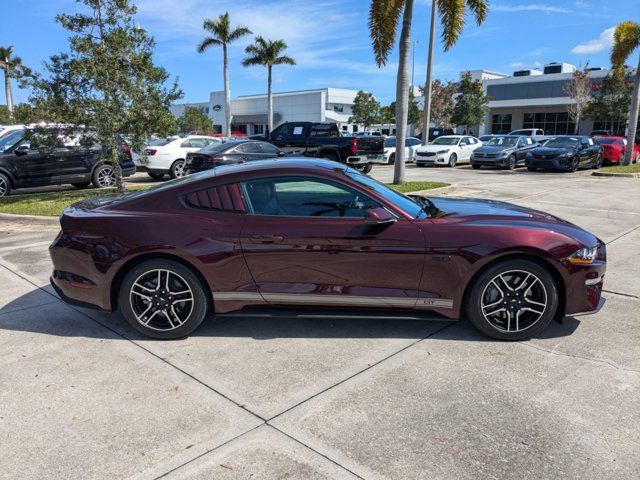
536, 99
249, 112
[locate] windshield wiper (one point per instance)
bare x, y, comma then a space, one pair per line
427, 205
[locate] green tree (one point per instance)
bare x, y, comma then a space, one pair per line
366, 109
414, 115
442, 102
471, 103
384, 18
194, 119
13, 68
452, 19
626, 39
222, 34
611, 101
267, 53
108, 84
387, 114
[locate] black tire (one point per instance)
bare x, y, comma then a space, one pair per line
511, 162
597, 162
575, 163
193, 312
475, 166
155, 176
392, 159
420, 165
532, 169
104, 176
5, 186
81, 185
365, 168
453, 159
483, 287
177, 169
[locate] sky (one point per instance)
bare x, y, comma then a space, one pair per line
330, 42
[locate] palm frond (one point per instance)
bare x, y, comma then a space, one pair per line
452, 15
208, 42
284, 60
238, 32
626, 38
480, 9
384, 16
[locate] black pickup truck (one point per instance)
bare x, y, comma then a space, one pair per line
325, 141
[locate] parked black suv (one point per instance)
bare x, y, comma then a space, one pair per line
22, 165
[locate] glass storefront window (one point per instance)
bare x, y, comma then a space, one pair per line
501, 123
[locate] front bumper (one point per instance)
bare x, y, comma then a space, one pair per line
490, 162
428, 159
548, 162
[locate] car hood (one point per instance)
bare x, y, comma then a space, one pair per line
490, 212
552, 150
493, 149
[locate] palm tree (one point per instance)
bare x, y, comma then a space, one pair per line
626, 39
452, 15
10, 65
267, 53
222, 34
384, 16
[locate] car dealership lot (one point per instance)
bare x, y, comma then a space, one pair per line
83, 396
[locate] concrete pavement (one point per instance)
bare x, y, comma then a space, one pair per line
83, 396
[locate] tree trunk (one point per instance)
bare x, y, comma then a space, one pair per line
633, 118
227, 93
269, 100
7, 89
426, 114
402, 92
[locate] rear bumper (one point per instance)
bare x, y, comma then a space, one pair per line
377, 158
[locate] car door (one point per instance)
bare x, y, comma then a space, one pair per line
412, 145
525, 145
291, 137
35, 167
250, 151
586, 151
465, 149
305, 241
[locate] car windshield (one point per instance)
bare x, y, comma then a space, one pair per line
502, 141
390, 142
10, 140
561, 142
607, 141
159, 142
445, 141
401, 201
521, 132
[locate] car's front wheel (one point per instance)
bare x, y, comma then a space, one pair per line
5, 186
575, 163
512, 300
597, 163
163, 299
365, 168
511, 162
392, 159
453, 159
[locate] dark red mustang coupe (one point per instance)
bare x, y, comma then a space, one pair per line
314, 233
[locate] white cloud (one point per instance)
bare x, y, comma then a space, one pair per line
603, 42
529, 8
517, 64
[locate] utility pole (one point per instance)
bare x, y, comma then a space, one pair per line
426, 118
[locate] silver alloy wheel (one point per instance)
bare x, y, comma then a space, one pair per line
161, 300
4, 187
178, 169
514, 301
106, 177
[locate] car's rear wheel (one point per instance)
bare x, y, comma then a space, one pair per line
81, 185
365, 168
163, 298
453, 159
104, 176
177, 169
512, 300
511, 162
5, 186
155, 176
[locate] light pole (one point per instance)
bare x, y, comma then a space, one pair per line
413, 63
426, 118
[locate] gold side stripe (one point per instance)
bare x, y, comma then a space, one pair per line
335, 299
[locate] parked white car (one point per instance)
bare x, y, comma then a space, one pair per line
537, 134
411, 145
167, 155
447, 150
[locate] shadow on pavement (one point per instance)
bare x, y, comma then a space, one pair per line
27, 313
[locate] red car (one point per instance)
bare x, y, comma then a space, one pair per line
614, 149
315, 233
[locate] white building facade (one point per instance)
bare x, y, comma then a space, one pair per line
249, 112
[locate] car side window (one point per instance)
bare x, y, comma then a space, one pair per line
305, 197
250, 148
282, 131
268, 148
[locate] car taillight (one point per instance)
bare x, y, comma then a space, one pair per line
354, 146
149, 152
127, 150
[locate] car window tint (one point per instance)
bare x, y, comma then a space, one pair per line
268, 148
250, 148
305, 197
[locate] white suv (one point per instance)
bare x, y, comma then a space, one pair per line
537, 134
167, 155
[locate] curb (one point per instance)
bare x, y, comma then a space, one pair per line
438, 191
42, 219
607, 174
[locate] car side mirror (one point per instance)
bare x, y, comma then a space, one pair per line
21, 150
379, 216
281, 154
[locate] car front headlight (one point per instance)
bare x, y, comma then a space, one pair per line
443, 151
584, 256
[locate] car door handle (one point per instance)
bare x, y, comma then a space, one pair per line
266, 238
